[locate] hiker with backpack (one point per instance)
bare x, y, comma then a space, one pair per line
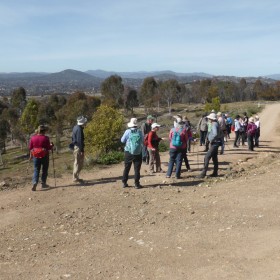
39, 147
178, 138
229, 123
214, 137
146, 128
78, 145
133, 140
251, 132
152, 144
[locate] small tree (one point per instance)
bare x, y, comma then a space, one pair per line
102, 132
215, 105
28, 119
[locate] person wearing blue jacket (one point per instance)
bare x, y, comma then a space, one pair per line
78, 142
214, 137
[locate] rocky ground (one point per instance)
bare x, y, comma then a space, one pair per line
219, 228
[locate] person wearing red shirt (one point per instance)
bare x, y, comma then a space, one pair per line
39, 147
153, 142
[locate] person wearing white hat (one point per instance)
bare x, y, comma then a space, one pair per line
78, 142
133, 140
152, 145
251, 133
214, 137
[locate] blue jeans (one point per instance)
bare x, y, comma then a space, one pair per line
38, 163
176, 155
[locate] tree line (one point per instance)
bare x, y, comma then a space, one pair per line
19, 115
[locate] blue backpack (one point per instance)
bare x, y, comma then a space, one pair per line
135, 144
176, 138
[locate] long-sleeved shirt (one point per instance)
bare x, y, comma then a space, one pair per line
237, 125
153, 140
183, 136
40, 141
78, 137
125, 137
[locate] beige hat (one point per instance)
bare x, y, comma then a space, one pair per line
251, 119
212, 116
81, 120
132, 123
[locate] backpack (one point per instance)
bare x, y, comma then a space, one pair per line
39, 152
176, 138
135, 142
253, 130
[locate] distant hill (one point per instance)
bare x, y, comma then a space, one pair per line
274, 76
15, 75
144, 74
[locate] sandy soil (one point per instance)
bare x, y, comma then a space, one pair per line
219, 228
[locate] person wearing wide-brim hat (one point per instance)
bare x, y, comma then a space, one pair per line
78, 141
39, 147
133, 140
214, 137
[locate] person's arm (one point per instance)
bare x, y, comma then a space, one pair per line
125, 136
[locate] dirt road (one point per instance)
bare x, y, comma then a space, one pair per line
222, 228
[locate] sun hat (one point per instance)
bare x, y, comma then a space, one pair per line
251, 119
132, 123
257, 117
219, 114
155, 125
213, 111
212, 116
81, 120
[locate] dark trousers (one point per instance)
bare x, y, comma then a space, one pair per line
38, 163
203, 135
185, 159
237, 135
137, 162
212, 153
176, 155
250, 140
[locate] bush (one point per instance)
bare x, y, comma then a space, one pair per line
111, 158
163, 146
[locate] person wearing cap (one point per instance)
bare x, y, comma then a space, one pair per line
214, 137
153, 142
39, 147
251, 132
78, 141
146, 128
132, 153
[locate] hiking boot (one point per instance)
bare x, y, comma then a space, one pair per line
178, 177
138, 186
213, 175
45, 186
125, 185
34, 187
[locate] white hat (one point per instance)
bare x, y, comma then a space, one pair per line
81, 120
212, 116
155, 125
257, 117
219, 114
213, 111
132, 123
251, 119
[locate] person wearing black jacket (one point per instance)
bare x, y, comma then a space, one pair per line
79, 145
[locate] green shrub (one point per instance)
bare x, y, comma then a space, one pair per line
163, 146
111, 158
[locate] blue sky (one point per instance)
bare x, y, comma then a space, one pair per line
221, 37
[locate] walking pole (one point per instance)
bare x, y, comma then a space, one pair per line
197, 156
53, 169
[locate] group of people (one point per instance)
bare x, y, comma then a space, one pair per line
40, 147
141, 144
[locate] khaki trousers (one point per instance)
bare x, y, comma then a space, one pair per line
78, 162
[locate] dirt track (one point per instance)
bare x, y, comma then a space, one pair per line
224, 228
